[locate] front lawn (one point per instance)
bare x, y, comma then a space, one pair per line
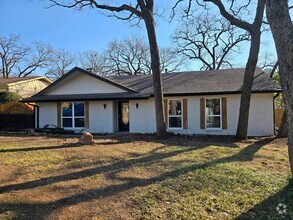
142, 177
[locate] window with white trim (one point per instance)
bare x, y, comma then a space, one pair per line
72, 114
175, 113
213, 113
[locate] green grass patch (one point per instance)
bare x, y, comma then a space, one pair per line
219, 192
33, 158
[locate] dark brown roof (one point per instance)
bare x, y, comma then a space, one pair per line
200, 82
227, 81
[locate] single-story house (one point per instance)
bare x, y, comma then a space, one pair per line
24, 86
198, 102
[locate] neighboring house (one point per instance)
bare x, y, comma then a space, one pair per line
24, 86
196, 102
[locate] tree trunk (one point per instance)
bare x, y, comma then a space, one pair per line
283, 131
242, 128
157, 77
282, 30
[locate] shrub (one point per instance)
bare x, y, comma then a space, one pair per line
9, 96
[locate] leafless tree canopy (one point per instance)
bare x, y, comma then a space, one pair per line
266, 61
171, 61
208, 39
18, 60
129, 56
59, 63
94, 62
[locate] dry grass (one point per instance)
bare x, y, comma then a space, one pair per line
141, 177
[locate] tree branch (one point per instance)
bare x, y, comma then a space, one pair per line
79, 4
235, 21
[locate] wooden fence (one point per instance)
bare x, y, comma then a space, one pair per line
16, 108
278, 116
16, 116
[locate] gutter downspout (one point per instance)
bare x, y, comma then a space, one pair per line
36, 110
275, 96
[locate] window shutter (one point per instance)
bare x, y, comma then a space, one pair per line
185, 121
224, 112
166, 112
59, 114
202, 113
86, 116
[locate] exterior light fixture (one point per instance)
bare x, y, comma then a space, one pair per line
136, 105
105, 106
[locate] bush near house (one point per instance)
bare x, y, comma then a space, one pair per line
9, 96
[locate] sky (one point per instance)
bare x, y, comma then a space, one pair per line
81, 31
67, 28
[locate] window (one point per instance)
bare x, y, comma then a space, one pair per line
213, 113
72, 114
175, 113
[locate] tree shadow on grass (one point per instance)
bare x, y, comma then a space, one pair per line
68, 145
43, 210
123, 139
268, 208
153, 157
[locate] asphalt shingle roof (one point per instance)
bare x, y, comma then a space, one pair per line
227, 81
200, 82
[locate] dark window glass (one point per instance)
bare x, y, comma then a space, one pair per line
73, 111
213, 107
213, 122
67, 122
175, 107
79, 122
175, 122
66, 109
78, 109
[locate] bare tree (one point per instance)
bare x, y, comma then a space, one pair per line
131, 56
19, 60
128, 56
208, 39
267, 61
95, 62
60, 62
140, 10
282, 29
171, 61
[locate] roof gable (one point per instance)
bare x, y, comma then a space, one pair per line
79, 81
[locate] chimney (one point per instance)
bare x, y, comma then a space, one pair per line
90, 69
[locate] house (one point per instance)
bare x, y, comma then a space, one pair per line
200, 102
24, 86
16, 115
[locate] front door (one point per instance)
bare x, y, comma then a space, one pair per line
123, 115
